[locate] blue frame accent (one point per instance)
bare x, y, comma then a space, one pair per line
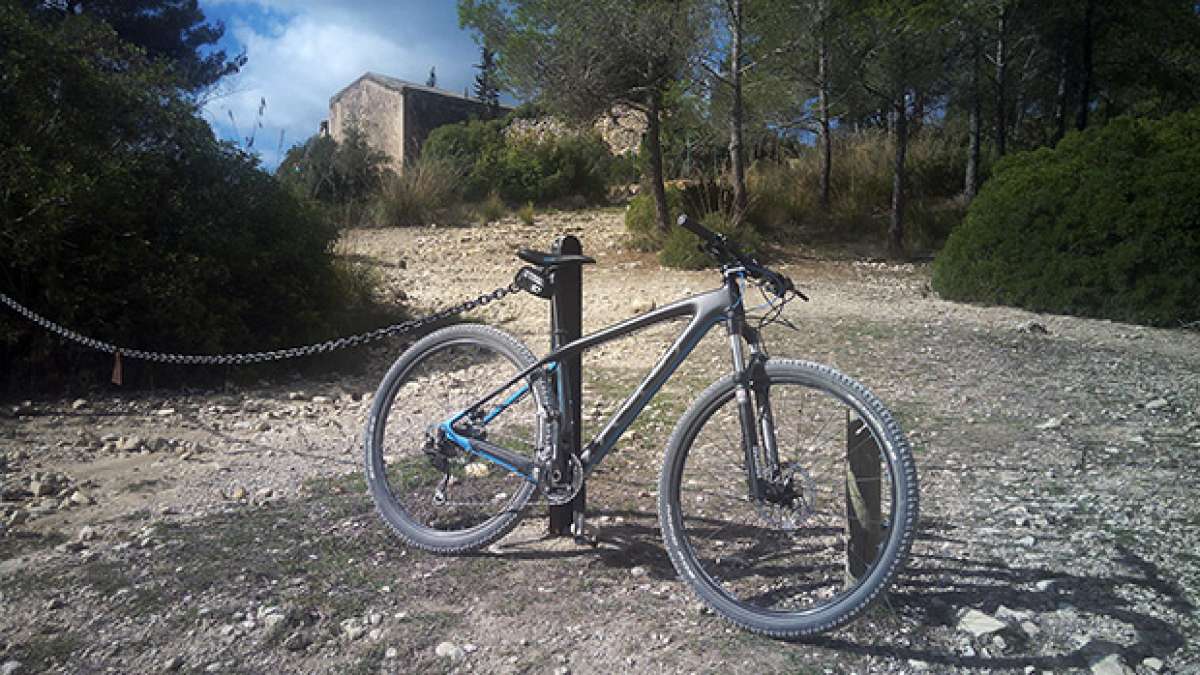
706, 310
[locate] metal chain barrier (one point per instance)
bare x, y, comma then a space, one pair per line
259, 357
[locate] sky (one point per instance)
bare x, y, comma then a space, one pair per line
302, 52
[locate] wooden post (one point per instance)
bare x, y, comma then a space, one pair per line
862, 498
566, 317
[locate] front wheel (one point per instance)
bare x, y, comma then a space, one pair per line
806, 556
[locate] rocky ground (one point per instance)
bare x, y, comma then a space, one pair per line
228, 531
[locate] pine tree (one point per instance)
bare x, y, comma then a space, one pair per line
486, 89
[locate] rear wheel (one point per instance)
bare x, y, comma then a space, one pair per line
432, 493
801, 560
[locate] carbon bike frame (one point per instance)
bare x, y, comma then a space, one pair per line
706, 310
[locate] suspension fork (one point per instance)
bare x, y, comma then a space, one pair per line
735, 324
760, 387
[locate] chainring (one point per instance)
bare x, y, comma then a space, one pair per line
560, 494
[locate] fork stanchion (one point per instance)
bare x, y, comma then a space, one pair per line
863, 518
566, 318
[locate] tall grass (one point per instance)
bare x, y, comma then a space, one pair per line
426, 190
785, 197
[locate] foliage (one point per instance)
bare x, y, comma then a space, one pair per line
1104, 225
522, 169
784, 196
492, 209
681, 249
526, 214
581, 59
175, 32
486, 86
335, 173
642, 224
426, 190
123, 217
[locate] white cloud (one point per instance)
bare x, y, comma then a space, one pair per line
301, 53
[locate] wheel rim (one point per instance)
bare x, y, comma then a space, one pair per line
759, 563
440, 383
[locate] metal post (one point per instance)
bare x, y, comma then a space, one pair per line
863, 505
566, 317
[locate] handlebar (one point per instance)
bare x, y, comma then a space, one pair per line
726, 252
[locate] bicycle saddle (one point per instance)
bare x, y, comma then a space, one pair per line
550, 259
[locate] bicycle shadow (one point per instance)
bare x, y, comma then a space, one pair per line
935, 588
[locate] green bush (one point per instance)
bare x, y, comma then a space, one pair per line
641, 220
123, 217
690, 197
681, 248
523, 170
1107, 225
343, 178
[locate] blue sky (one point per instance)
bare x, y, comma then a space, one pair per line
301, 52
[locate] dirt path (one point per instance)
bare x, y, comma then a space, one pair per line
227, 531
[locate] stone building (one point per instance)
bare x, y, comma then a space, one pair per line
396, 116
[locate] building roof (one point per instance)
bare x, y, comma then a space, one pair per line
398, 85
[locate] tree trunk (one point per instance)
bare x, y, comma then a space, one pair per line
823, 107
971, 182
654, 146
1085, 85
896, 226
1001, 84
737, 160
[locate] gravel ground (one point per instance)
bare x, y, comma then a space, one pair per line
227, 530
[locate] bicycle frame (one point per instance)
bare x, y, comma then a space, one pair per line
706, 310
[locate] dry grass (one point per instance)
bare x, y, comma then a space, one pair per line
787, 195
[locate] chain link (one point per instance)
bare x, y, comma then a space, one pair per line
260, 357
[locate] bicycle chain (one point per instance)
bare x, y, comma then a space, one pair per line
259, 357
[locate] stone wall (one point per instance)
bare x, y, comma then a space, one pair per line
397, 116
379, 111
426, 110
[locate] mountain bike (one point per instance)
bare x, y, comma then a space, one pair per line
762, 485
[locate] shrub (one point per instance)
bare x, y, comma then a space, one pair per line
425, 191
124, 218
492, 209
1107, 224
681, 248
785, 196
343, 177
690, 197
526, 213
523, 169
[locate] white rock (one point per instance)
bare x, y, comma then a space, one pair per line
391, 653
321, 400
86, 533
449, 650
1109, 665
1153, 663
1156, 404
10, 668
353, 629
979, 624
78, 403
638, 571
1052, 423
